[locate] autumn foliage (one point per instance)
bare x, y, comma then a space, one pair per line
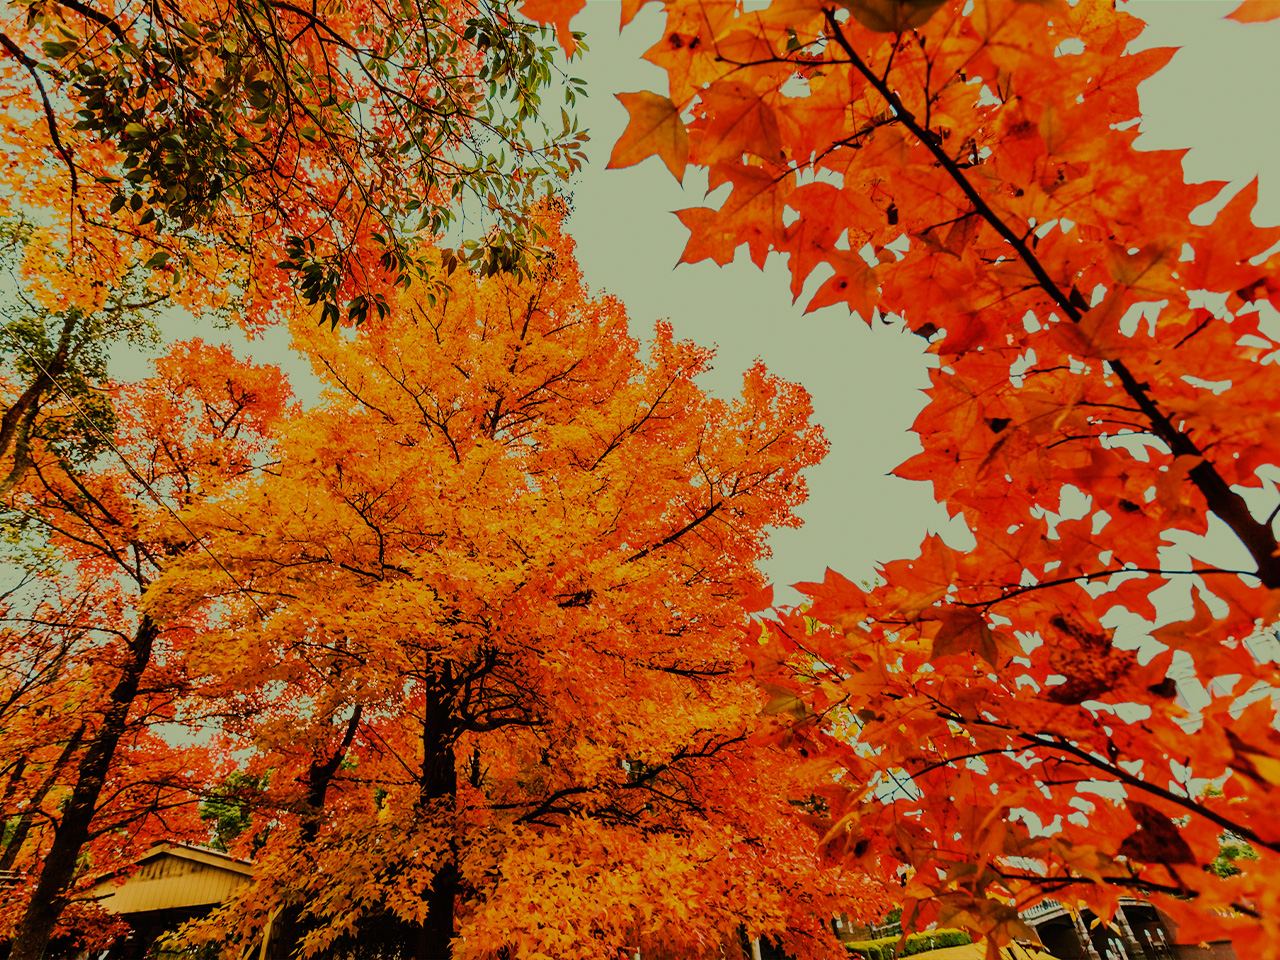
970, 168
488, 663
483, 615
283, 149
96, 691
473, 628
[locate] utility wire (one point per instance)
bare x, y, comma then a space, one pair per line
132, 472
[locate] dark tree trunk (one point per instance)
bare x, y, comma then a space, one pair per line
289, 924
19, 835
438, 790
435, 934
72, 831
15, 777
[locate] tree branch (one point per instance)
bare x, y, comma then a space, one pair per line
1228, 505
1124, 776
705, 515
33, 68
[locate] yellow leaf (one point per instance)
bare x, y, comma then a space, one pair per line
655, 128
1268, 767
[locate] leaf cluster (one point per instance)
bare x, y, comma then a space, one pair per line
1104, 383
359, 129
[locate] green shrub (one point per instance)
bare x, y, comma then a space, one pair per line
886, 947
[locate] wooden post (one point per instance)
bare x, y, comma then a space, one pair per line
266, 931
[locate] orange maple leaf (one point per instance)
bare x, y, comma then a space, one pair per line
557, 13
629, 10
704, 242
1255, 11
655, 128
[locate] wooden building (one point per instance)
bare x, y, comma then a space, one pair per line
168, 885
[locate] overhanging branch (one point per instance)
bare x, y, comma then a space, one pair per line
1224, 502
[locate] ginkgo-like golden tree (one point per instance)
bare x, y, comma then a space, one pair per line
488, 640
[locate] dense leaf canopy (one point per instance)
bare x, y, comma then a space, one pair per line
273, 145
478, 648
971, 169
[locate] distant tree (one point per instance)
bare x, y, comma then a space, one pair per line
86, 674
229, 808
1231, 850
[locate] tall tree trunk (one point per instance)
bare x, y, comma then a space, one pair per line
23, 827
289, 924
438, 790
72, 831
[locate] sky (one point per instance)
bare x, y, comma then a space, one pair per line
1216, 97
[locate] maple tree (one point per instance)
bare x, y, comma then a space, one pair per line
970, 167
278, 147
88, 676
489, 647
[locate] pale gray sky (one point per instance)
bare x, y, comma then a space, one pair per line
1216, 97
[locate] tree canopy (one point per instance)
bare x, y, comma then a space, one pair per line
473, 628
285, 148
485, 608
96, 692
482, 657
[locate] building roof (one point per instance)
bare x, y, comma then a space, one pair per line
172, 875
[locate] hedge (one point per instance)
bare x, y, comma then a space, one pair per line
886, 947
